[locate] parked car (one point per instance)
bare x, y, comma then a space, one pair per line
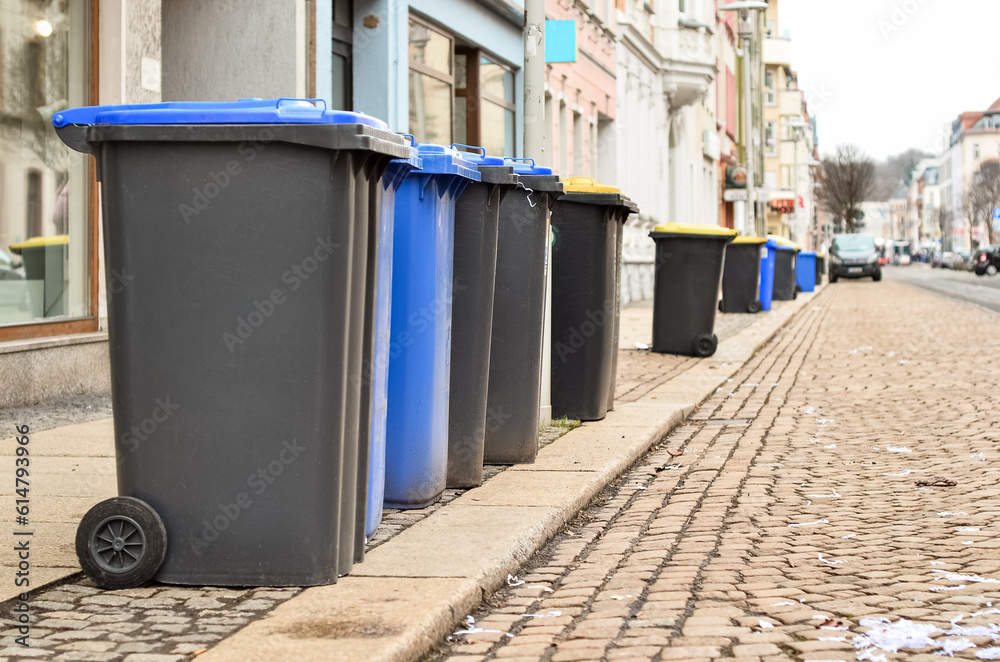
854, 256
936, 259
946, 259
986, 261
957, 260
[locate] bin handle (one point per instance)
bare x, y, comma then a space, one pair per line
471, 148
277, 104
511, 158
413, 140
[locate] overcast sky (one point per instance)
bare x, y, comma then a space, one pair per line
888, 74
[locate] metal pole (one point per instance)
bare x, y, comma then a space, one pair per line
534, 79
748, 137
795, 177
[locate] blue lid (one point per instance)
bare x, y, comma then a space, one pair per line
244, 111
413, 160
527, 167
807, 253
478, 156
441, 160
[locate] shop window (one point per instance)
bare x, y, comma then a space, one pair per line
431, 83
46, 226
485, 108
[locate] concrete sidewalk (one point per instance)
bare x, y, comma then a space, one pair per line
413, 588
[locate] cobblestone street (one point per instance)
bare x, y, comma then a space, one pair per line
837, 501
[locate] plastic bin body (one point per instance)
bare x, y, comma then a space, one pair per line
767, 275
689, 262
230, 346
805, 271
395, 173
784, 268
586, 224
420, 350
512, 407
820, 268
477, 218
44, 260
619, 229
741, 276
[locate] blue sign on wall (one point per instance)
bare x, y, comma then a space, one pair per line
560, 41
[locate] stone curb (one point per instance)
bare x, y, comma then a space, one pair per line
413, 590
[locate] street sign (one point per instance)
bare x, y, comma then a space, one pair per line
996, 219
737, 195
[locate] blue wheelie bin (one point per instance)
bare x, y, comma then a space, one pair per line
392, 178
767, 257
416, 441
805, 271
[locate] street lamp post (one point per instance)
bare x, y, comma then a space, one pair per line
748, 15
797, 127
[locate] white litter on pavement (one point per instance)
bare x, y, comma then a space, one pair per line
905, 472
981, 456
843, 638
809, 411
826, 496
991, 653
968, 542
947, 588
947, 514
831, 446
898, 449
512, 580
949, 646
785, 604
966, 529
544, 588
967, 578
937, 562
470, 627
819, 521
891, 354
849, 535
903, 362
823, 421
551, 614
831, 562
765, 625
885, 637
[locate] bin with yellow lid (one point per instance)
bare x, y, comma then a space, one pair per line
44, 260
741, 276
785, 258
689, 260
587, 224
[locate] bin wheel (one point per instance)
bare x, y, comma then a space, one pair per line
121, 543
755, 307
705, 344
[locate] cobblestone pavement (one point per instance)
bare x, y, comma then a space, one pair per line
804, 512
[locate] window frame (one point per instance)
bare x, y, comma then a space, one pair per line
474, 94
91, 322
426, 70
771, 145
770, 91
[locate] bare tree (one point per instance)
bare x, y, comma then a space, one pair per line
944, 218
848, 179
982, 196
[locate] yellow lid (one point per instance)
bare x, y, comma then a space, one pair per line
781, 241
749, 240
587, 185
35, 242
695, 229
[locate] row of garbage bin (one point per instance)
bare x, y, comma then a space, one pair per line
323, 318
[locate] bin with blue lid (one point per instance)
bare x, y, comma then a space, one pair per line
243, 231
805, 271
767, 259
378, 357
515, 380
416, 440
786, 253
689, 261
477, 219
741, 276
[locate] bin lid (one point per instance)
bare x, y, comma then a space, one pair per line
694, 230
37, 242
782, 244
588, 185
440, 160
243, 111
749, 240
807, 253
492, 169
586, 190
534, 176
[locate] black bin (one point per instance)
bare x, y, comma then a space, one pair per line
235, 349
586, 228
477, 218
820, 268
689, 261
785, 256
515, 383
741, 276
